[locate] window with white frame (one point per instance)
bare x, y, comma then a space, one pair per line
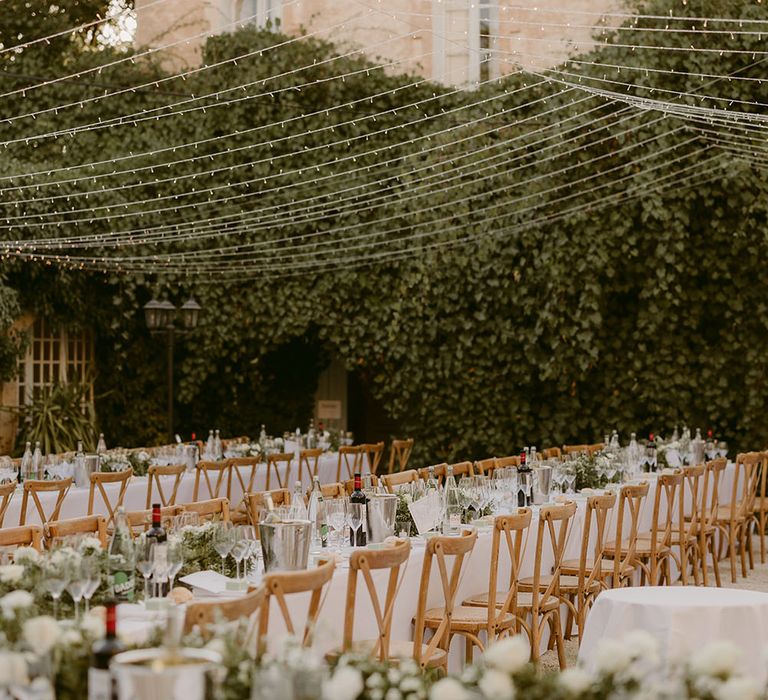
262, 13
488, 31
54, 355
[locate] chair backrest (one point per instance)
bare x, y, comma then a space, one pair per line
219, 486
349, 485
744, 488
351, 458
140, 520
243, 470
205, 613
593, 538
212, 509
485, 467
399, 454
335, 490
89, 524
273, 463
694, 498
713, 474
285, 583
440, 549
309, 461
512, 530
373, 451
555, 524
503, 462
668, 516
33, 487
439, 470
6, 494
363, 561
98, 479
255, 503
462, 469
155, 475
24, 535
392, 481
631, 499
552, 453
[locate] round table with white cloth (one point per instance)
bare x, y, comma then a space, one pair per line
683, 620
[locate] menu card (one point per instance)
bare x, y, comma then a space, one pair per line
427, 512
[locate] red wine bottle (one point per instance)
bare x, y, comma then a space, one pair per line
101, 684
157, 535
358, 539
523, 469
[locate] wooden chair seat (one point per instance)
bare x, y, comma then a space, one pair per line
398, 651
642, 548
568, 584
723, 515
570, 567
674, 539
524, 601
761, 503
466, 618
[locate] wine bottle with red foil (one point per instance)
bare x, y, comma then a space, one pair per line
358, 539
650, 453
101, 684
157, 535
524, 480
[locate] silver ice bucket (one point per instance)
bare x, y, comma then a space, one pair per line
84, 467
542, 483
159, 674
380, 516
285, 545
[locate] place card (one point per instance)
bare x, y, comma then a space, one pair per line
208, 581
426, 512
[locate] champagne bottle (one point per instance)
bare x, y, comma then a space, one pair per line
121, 578
358, 538
298, 509
453, 507
37, 462
25, 467
319, 521
101, 684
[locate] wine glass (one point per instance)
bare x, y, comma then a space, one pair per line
223, 541
144, 561
355, 520
240, 548
54, 581
175, 558
76, 582
92, 574
335, 512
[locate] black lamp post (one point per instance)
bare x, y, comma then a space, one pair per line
161, 318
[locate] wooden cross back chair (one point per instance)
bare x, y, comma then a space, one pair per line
758, 514
396, 479
732, 519
619, 564
349, 486
309, 461
373, 452
439, 470
155, 474
462, 469
141, 520
579, 589
446, 621
273, 463
6, 494
98, 479
211, 509
552, 453
399, 454
485, 467
22, 536
204, 614
351, 458
555, 524
504, 462
255, 503
222, 485
94, 525
501, 606
710, 500
335, 490
692, 553
361, 563
281, 584
655, 548
242, 470
33, 487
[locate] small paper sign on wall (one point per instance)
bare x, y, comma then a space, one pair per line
329, 410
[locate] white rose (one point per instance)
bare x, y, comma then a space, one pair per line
448, 689
217, 646
71, 638
508, 655
612, 656
393, 694
13, 669
410, 684
26, 555
143, 456
642, 645
93, 625
715, 659
375, 680
737, 688
90, 543
496, 685
345, 684
41, 633
15, 600
575, 680
11, 573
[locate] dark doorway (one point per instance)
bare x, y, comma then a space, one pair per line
366, 417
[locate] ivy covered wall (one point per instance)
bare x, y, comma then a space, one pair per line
584, 301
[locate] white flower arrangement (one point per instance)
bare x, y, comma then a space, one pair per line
26, 555
41, 633
15, 600
89, 545
497, 685
345, 684
508, 655
448, 689
575, 680
13, 669
11, 573
718, 659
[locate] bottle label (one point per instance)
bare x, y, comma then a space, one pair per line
121, 584
100, 684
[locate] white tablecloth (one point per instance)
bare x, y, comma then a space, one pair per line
682, 620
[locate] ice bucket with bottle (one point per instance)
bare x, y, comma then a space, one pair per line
381, 510
285, 544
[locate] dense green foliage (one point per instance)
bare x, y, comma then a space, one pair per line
565, 315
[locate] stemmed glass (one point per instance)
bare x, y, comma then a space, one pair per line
54, 581
92, 574
144, 561
223, 541
76, 582
354, 519
160, 565
335, 512
241, 546
175, 558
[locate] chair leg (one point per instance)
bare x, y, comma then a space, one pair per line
558, 630
762, 537
469, 648
732, 555
715, 562
745, 550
